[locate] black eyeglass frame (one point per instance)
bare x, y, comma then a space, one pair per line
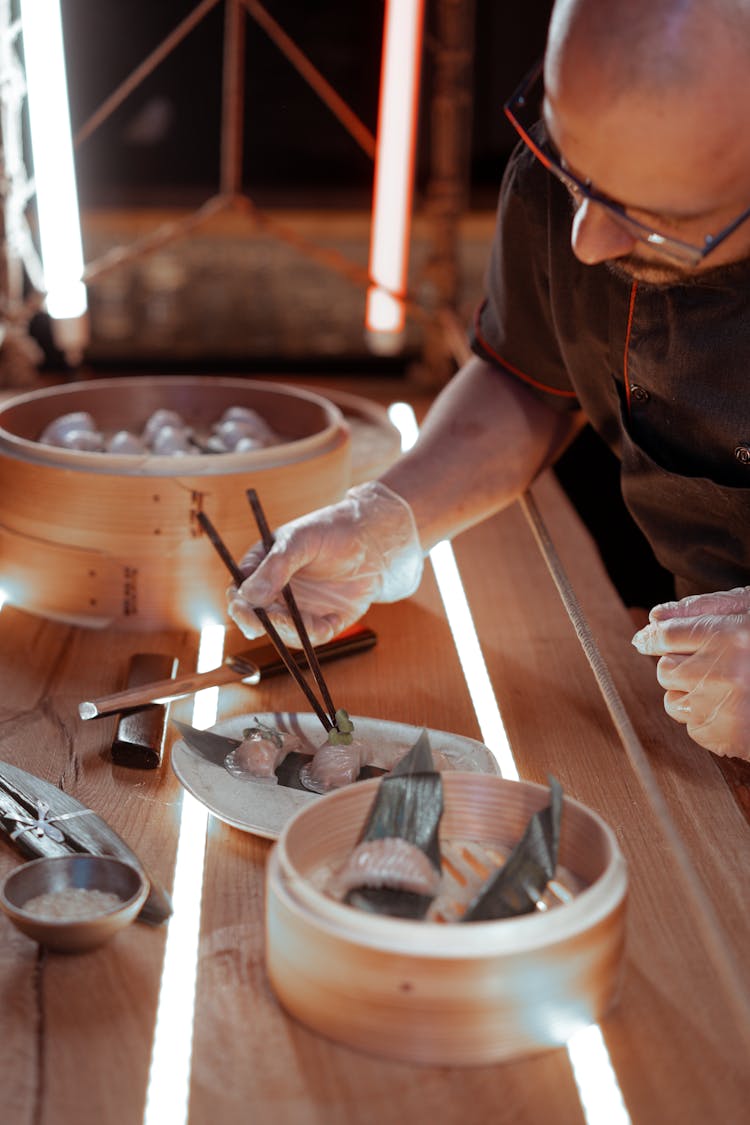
684, 252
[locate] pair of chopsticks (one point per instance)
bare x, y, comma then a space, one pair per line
327, 714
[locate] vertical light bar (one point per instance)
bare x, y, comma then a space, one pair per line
471, 658
461, 624
54, 172
168, 1091
394, 173
3, 598
594, 1075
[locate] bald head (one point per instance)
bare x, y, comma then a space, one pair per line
648, 100
653, 45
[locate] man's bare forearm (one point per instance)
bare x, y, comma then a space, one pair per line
482, 443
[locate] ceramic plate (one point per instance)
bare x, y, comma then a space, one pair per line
263, 808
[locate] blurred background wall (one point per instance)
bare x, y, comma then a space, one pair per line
231, 295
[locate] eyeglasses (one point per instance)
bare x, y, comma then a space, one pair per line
522, 110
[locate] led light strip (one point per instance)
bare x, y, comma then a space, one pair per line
168, 1090
394, 173
600, 1095
470, 656
54, 170
461, 624
594, 1075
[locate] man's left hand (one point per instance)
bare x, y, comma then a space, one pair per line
704, 647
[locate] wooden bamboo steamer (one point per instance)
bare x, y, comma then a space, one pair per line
451, 993
99, 539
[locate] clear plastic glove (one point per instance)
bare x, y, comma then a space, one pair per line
339, 560
704, 647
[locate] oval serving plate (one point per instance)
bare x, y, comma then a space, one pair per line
264, 809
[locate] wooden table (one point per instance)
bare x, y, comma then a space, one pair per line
78, 1031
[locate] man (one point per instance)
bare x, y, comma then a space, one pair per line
618, 292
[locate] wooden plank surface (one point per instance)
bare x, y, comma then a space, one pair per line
77, 1032
305, 1079
674, 1018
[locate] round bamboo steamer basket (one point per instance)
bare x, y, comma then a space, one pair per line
107, 540
447, 993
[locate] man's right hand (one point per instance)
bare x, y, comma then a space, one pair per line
339, 560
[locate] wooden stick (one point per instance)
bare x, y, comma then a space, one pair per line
221, 549
312, 658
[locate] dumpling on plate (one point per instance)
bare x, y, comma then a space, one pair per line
261, 752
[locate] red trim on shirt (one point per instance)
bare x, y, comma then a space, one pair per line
629, 329
515, 370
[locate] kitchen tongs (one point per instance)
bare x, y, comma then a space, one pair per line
327, 712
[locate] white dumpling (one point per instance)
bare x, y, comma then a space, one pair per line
248, 445
87, 440
214, 444
233, 430
171, 441
54, 432
252, 422
158, 420
125, 442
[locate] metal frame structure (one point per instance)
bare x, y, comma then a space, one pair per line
450, 44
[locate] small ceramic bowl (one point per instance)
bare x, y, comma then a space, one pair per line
71, 877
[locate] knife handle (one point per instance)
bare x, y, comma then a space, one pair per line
356, 638
140, 734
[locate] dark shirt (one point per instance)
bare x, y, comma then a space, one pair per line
662, 374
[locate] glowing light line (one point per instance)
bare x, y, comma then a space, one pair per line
394, 172
594, 1075
494, 734
461, 625
169, 1078
54, 170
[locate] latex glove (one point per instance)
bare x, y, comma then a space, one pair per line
704, 646
339, 560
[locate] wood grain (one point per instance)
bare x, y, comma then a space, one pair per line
76, 1032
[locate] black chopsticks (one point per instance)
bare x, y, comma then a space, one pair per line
312, 659
328, 720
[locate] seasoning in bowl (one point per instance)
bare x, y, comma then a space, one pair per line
78, 902
72, 903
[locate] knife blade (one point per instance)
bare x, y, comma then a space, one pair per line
40, 819
247, 667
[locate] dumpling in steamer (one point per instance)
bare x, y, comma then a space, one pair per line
391, 862
158, 420
248, 445
251, 423
125, 442
90, 441
232, 431
170, 441
58, 430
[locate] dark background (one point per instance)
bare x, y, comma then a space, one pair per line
162, 144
